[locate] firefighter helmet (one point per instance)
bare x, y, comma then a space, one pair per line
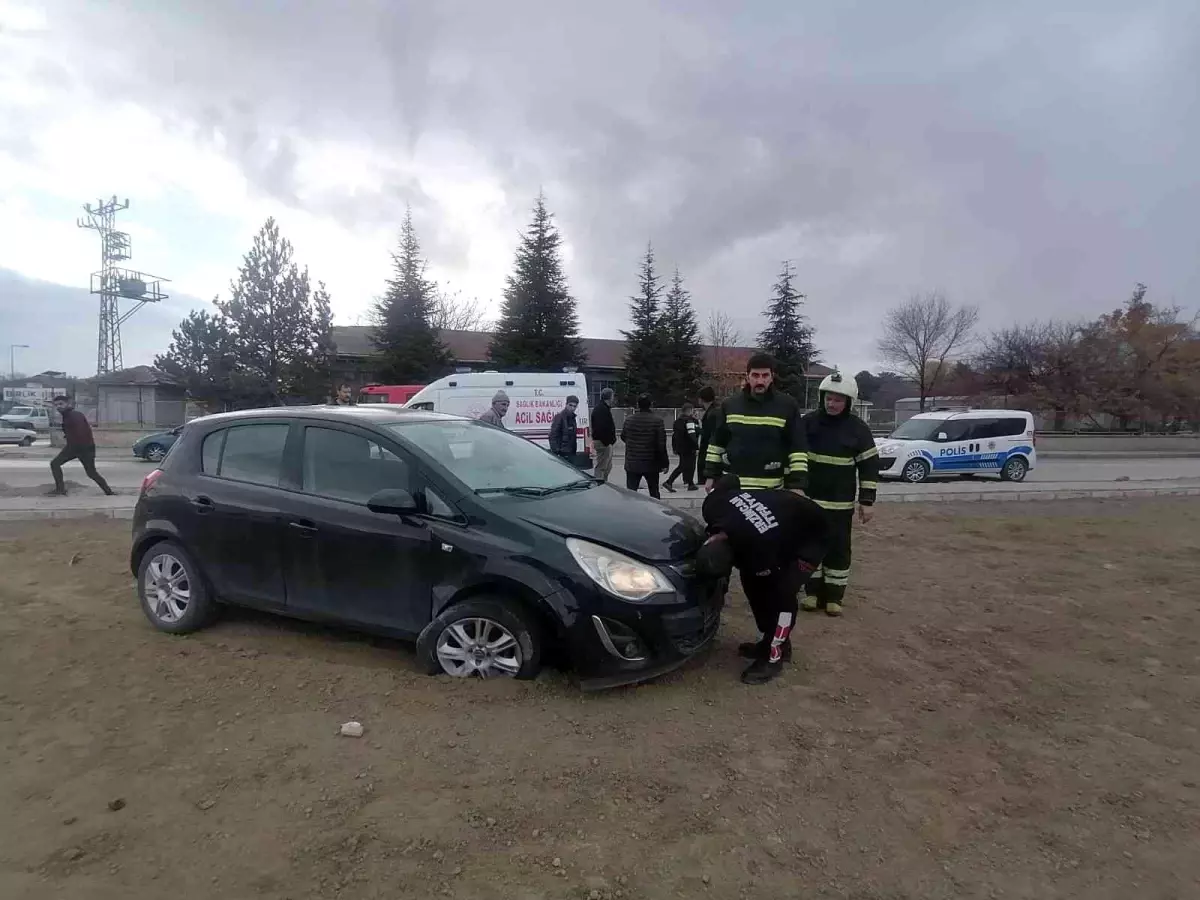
835, 383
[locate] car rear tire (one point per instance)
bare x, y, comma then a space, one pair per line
155, 452
174, 595
1014, 470
484, 637
915, 471
27, 442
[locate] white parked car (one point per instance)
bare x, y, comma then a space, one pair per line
22, 437
976, 442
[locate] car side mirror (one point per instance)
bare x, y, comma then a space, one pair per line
942, 436
394, 501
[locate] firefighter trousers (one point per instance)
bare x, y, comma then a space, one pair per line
774, 602
828, 583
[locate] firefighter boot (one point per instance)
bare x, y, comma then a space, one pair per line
761, 671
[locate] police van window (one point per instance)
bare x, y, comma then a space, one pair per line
955, 429
1013, 426
984, 428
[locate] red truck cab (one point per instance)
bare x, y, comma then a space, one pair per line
388, 393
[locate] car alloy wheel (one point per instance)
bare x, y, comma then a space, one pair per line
915, 471
478, 646
167, 588
155, 452
1015, 469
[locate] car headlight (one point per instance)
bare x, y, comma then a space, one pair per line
617, 573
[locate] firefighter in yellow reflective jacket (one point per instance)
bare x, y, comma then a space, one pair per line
758, 435
843, 466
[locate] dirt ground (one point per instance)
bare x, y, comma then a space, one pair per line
1009, 709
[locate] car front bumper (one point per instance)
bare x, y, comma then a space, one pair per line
667, 635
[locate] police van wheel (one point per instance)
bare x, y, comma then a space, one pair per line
915, 471
1014, 470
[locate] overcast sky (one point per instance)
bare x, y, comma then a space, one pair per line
1034, 159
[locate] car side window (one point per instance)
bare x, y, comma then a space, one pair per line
956, 429
1012, 427
984, 428
345, 466
250, 453
438, 507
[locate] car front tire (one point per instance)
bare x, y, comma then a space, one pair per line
483, 637
27, 442
155, 453
172, 590
915, 471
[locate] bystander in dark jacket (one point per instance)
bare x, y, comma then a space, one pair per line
645, 438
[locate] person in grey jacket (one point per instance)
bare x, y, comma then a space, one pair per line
499, 409
645, 438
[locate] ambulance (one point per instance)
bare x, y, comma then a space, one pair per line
534, 400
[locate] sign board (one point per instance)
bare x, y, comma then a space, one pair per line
29, 395
537, 410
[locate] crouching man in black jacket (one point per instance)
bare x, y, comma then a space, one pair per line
776, 540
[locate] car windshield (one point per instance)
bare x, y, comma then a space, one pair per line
20, 411
488, 459
918, 430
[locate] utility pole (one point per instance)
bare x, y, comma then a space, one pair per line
12, 359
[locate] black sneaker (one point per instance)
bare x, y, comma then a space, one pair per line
760, 671
56, 492
669, 488
755, 649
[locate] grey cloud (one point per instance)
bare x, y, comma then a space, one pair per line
60, 324
1035, 160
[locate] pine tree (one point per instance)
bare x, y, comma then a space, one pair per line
788, 337
281, 330
645, 344
411, 350
539, 325
684, 351
201, 358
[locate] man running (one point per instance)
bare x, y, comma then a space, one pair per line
80, 445
776, 540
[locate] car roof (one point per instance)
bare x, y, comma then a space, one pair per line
367, 414
938, 414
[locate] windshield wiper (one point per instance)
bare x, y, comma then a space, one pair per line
570, 486
515, 491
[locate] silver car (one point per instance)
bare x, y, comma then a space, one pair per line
20, 436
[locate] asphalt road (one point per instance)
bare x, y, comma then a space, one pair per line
21, 476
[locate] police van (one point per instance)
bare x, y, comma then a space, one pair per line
534, 400
971, 442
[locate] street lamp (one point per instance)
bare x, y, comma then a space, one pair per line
12, 359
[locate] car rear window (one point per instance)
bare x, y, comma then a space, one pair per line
250, 453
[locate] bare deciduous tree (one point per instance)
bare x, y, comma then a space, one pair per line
920, 334
722, 336
452, 312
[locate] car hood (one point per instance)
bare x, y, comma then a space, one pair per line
616, 518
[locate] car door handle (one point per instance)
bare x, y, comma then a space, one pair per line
305, 528
203, 504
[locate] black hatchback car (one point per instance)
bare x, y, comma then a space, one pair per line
481, 546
